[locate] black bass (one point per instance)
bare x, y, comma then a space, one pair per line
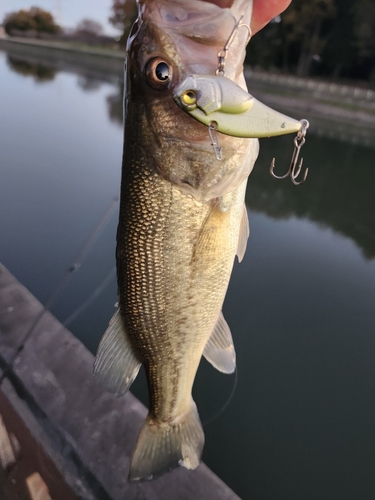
182, 221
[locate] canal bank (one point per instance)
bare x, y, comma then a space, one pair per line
86, 434
340, 111
94, 62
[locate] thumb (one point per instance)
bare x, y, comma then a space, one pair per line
265, 10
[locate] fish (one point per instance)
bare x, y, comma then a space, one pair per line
182, 221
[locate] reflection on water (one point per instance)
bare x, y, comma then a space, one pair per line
337, 194
87, 83
115, 105
300, 305
339, 189
40, 72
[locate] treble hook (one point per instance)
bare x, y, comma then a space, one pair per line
294, 169
222, 55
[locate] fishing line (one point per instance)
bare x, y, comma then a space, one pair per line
77, 262
92, 297
226, 404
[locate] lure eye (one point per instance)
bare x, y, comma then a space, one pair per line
189, 99
159, 73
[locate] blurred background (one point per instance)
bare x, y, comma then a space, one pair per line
329, 38
299, 422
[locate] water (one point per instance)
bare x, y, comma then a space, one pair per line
301, 423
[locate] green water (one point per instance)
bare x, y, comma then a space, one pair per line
301, 423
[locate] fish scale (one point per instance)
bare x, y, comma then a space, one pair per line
164, 282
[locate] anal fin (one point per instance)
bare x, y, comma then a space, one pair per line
219, 350
115, 365
244, 234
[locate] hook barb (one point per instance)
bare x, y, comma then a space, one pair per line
294, 176
222, 55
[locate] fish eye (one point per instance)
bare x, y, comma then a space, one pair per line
159, 73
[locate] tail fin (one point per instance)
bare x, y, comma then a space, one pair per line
162, 446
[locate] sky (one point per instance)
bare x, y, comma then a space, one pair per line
67, 13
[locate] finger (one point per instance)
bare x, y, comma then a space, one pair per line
264, 11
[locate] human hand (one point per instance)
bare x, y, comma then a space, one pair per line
263, 10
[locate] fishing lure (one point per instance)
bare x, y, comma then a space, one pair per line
225, 107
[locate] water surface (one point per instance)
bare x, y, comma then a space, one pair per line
301, 423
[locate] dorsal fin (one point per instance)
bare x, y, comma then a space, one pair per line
244, 234
219, 350
115, 365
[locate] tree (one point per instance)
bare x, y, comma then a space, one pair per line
265, 48
303, 23
34, 19
20, 20
340, 54
319, 37
364, 18
90, 27
124, 15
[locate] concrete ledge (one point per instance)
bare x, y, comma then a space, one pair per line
89, 433
62, 55
31, 456
65, 47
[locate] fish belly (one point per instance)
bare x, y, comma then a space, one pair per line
175, 255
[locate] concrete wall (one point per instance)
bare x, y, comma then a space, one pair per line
60, 55
88, 433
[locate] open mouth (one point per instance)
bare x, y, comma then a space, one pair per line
220, 3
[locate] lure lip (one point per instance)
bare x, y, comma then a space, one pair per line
236, 112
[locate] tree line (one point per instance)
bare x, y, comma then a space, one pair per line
39, 23
329, 38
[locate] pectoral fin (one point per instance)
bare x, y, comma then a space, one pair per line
115, 365
219, 350
244, 235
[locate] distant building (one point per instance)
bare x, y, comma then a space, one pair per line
2, 32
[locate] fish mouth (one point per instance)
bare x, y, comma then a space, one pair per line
224, 4
202, 144
199, 29
198, 20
